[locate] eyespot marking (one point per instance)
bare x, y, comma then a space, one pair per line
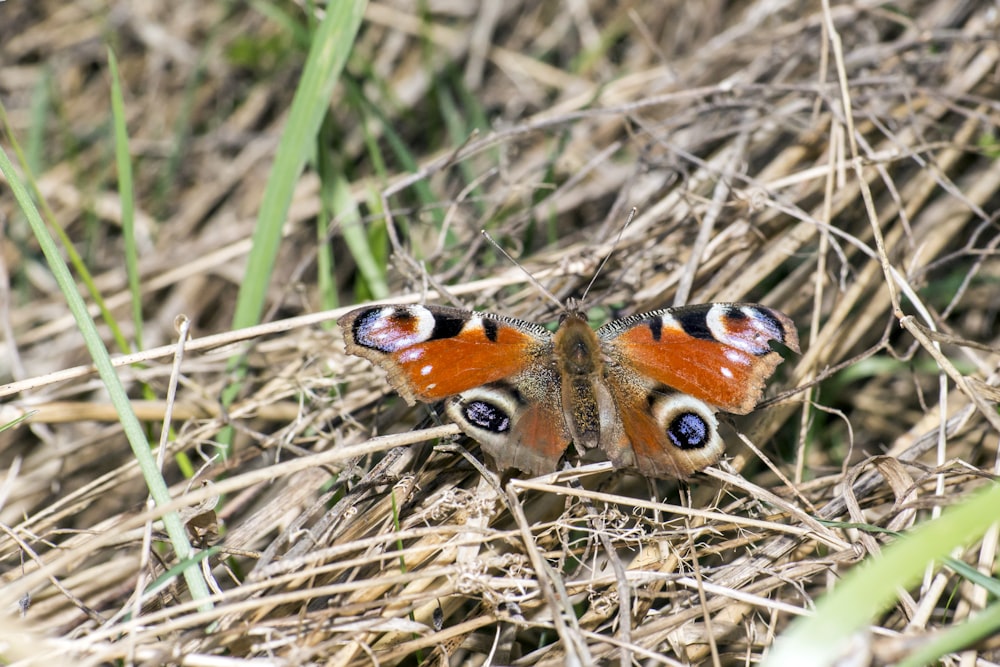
688, 431
745, 328
392, 328
486, 416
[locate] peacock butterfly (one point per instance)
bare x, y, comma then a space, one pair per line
643, 388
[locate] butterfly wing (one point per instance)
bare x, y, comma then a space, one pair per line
659, 432
432, 352
519, 422
496, 371
718, 353
667, 369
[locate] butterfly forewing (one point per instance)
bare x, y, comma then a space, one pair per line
719, 353
432, 352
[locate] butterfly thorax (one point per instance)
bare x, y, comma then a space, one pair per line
577, 348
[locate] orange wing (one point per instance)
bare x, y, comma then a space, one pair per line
719, 353
432, 352
503, 391
662, 433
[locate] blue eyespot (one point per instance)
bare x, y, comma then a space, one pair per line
486, 416
688, 431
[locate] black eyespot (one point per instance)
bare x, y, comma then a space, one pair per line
486, 416
688, 431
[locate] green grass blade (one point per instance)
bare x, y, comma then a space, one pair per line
126, 194
326, 168
17, 421
338, 204
331, 44
356, 238
41, 100
99, 353
871, 587
956, 637
71, 253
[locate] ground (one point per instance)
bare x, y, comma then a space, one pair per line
837, 163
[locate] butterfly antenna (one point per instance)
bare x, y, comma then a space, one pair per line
534, 281
604, 261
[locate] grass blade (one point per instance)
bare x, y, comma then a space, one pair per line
331, 45
99, 353
820, 639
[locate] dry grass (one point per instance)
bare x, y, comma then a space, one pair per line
723, 125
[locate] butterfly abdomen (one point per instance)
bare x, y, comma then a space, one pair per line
581, 367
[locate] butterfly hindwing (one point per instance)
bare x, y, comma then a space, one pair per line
520, 422
666, 434
655, 429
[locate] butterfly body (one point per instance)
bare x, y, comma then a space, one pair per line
644, 388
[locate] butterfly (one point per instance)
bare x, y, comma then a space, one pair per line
644, 388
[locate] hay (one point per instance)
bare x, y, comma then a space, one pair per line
723, 125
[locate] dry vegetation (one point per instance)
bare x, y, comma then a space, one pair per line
723, 124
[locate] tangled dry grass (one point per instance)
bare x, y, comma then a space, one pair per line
762, 144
